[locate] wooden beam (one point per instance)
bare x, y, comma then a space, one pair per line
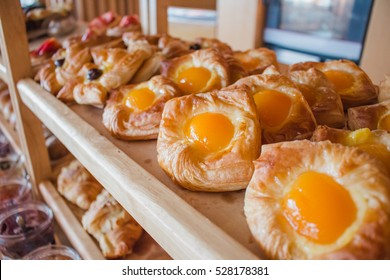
14, 48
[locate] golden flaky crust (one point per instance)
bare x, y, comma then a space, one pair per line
118, 67
210, 59
46, 76
375, 142
368, 237
257, 60
77, 185
300, 122
172, 47
369, 116
226, 170
361, 92
129, 124
384, 89
114, 229
212, 43
324, 102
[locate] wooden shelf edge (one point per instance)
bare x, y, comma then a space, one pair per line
72, 228
10, 133
180, 229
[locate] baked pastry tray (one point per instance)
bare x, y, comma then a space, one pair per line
188, 225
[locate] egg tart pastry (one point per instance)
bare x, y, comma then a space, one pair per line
318, 200
134, 111
114, 228
207, 141
255, 61
77, 185
283, 111
376, 116
384, 89
376, 142
200, 71
324, 102
112, 68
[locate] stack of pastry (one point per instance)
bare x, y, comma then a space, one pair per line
105, 219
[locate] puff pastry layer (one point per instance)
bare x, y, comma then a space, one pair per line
114, 229
134, 111
283, 112
200, 71
384, 89
115, 67
77, 185
324, 102
376, 142
255, 61
207, 141
376, 116
348, 80
351, 174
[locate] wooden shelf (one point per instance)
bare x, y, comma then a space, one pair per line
10, 133
188, 225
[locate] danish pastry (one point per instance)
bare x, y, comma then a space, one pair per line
134, 111
112, 68
257, 60
348, 80
200, 71
283, 112
384, 89
376, 116
207, 141
172, 47
376, 142
211, 43
114, 229
324, 102
318, 200
77, 185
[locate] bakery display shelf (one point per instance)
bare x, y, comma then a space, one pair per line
10, 133
3, 71
188, 225
68, 216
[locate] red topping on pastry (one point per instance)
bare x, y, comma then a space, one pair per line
48, 47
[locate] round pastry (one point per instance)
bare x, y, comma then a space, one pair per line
283, 112
324, 102
255, 61
376, 116
134, 111
200, 71
350, 82
113, 68
318, 200
207, 141
211, 43
376, 142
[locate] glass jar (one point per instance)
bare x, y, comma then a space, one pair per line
14, 191
53, 252
26, 227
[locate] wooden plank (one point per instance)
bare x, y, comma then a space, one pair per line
14, 47
79, 238
158, 16
144, 15
376, 53
10, 133
173, 216
3, 71
240, 23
